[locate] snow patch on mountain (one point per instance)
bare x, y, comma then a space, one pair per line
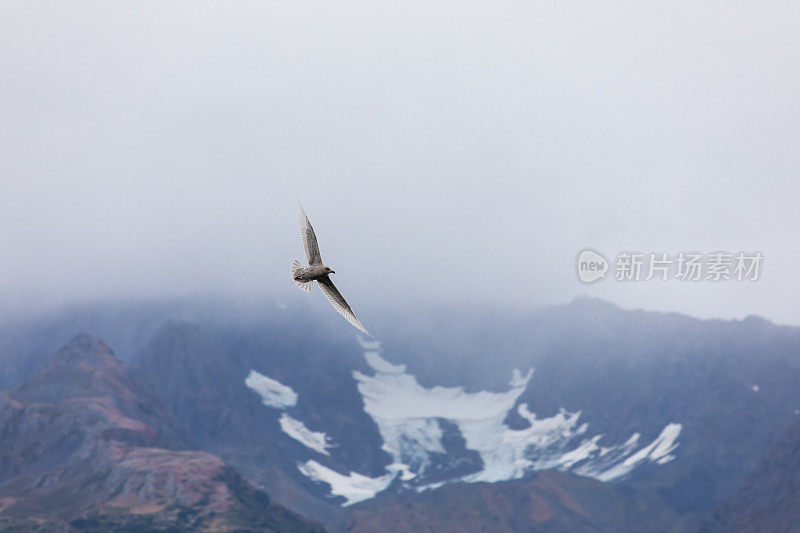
273, 393
418, 425
659, 451
374, 360
408, 415
354, 487
316, 440
383, 366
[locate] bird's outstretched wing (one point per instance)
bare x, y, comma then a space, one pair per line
309, 238
337, 300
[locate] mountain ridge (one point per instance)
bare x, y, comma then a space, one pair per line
730, 384
84, 446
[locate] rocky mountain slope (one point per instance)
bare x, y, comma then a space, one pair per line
85, 446
732, 385
201, 374
628, 413
314, 419
769, 499
549, 501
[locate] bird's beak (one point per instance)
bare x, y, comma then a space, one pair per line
333, 272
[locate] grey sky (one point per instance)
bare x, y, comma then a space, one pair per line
157, 148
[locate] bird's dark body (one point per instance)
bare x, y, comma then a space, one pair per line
311, 273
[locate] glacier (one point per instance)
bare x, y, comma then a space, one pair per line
273, 393
279, 396
408, 414
354, 487
412, 421
315, 440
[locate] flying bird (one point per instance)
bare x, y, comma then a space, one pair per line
304, 276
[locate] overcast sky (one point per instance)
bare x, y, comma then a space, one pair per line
460, 151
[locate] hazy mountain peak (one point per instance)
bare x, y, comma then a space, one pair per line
591, 302
86, 352
84, 367
83, 420
187, 337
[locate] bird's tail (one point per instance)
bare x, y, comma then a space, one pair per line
304, 285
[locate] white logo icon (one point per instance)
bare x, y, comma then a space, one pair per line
591, 266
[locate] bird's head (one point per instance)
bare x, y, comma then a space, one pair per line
329, 270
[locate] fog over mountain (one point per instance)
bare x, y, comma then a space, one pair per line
152, 150
581, 417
